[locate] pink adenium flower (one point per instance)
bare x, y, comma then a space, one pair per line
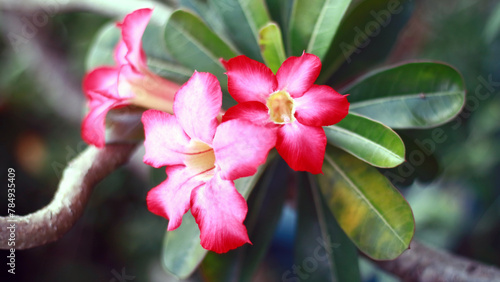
203, 158
130, 82
290, 103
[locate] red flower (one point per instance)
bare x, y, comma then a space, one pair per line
290, 103
203, 158
130, 82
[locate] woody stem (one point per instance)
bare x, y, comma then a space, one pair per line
78, 180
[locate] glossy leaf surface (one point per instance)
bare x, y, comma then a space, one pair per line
244, 19
414, 95
271, 46
182, 251
102, 49
322, 250
365, 37
313, 24
367, 140
280, 11
194, 45
369, 209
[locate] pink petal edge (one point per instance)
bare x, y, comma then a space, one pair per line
172, 198
321, 106
256, 112
102, 81
197, 105
241, 147
297, 74
302, 146
220, 210
120, 54
165, 139
249, 80
133, 27
93, 128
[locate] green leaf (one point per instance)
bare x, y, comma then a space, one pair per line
369, 209
492, 28
414, 95
265, 206
208, 13
169, 70
313, 25
159, 60
365, 37
367, 140
102, 49
182, 252
194, 45
422, 165
271, 46
244, 19
322, 250
280, 11
153, 43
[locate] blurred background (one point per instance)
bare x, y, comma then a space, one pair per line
454, 192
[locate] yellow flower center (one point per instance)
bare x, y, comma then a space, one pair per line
281, 107
200, 159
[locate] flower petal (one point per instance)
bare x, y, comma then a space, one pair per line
133, 27
165, 141
93, 126
302, 146
256, 112
240, 147
153, 92
220, 211
249, 80
197, 104
128, 79
321, 106
120, 54
297, 74
172, 198
103, 80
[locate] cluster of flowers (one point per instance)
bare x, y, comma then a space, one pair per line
203, 151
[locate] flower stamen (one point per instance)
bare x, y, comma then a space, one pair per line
200, 158
281, 107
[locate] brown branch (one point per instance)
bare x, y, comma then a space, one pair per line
422, 263
79, 178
